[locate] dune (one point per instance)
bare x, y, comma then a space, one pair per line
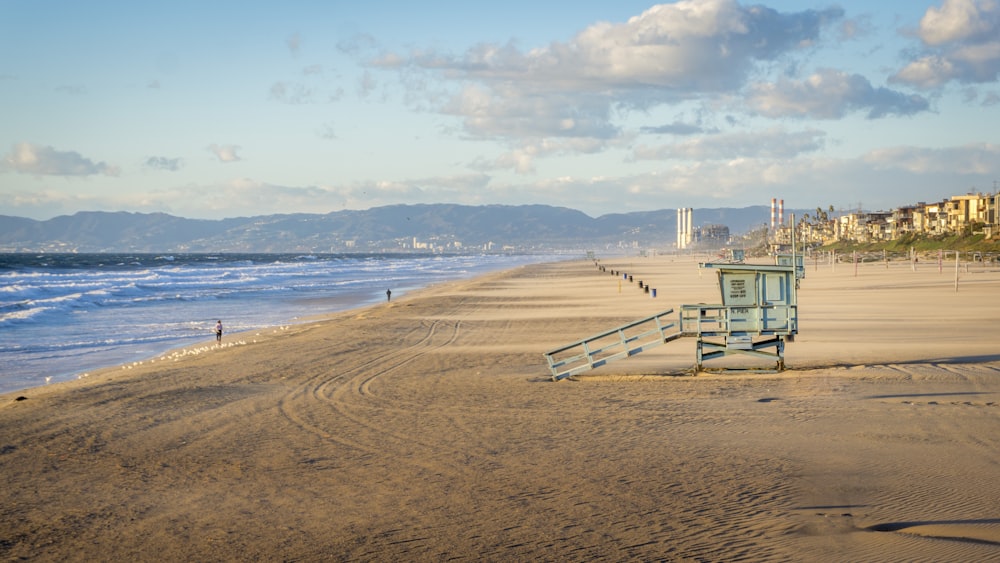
429, 428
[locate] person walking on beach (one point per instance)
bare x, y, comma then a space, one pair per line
218, 331
388, 295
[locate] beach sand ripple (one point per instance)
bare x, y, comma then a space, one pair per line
428, 429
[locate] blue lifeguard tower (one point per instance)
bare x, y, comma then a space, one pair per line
788, 260
759, 311
758, 314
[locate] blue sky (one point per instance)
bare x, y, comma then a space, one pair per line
224, 109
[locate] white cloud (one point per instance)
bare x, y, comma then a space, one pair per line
522, 158
225, 153
961, 42
958, 20
973, 159
771, 144
881, 179
878, 179
669, 53
28, 158
830, 94
927, 72
503, 111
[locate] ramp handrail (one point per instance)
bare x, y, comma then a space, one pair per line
617, 343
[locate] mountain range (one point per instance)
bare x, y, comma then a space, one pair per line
437, 227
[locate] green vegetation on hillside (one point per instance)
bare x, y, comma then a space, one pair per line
966, 242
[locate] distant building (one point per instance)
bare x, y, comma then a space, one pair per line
713, 234
967, 210
976, 213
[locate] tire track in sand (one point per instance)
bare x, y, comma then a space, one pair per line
324, 405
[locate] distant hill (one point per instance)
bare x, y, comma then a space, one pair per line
394, 227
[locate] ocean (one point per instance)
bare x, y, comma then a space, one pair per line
62, 315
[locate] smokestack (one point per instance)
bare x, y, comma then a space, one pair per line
687, 224
680, 229
781, 211
774, 204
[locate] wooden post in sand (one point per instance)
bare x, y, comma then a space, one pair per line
957, 255
855, 263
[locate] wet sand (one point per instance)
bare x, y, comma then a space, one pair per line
428, 428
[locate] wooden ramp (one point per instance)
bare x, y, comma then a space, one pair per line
615, 344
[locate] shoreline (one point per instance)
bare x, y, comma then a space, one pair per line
130, 354
260, 335
208, 345
429, 428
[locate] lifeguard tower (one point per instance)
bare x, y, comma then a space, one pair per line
788, 260
758, 313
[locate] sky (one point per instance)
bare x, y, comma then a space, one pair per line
232, 109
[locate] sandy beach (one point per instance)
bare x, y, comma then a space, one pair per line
429, 428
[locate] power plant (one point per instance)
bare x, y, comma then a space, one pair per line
684, 228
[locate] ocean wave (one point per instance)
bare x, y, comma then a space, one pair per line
23, 314
65, 314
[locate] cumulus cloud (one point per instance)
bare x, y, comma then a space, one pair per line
28, 158
225, 153
959, 20
771, 144
961, 41
830, 94
670, 52
164, 163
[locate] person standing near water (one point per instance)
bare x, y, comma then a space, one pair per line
388, 295
218, 331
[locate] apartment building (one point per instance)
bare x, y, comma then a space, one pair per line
957, 214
